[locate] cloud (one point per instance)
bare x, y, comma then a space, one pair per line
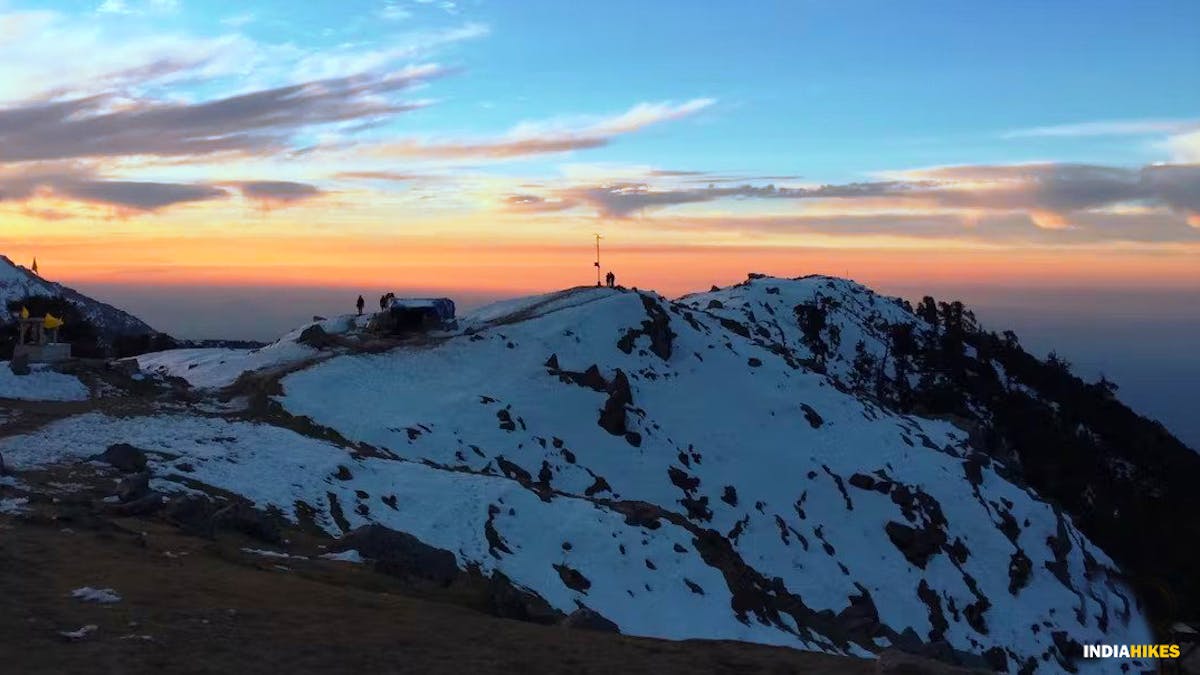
393, 176
277, 193
133, 7
539, 138
1141, 127
1184, 148
1001, 228
1052, 195
79, 183
137, 195
257, 122
83, 184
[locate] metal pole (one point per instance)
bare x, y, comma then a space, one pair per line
597, 258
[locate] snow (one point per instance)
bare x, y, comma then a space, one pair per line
80, 633
101, 596
218, 367
351, 556
13, 505
271, 554
40, 385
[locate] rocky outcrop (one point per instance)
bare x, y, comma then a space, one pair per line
400, 554
124, 457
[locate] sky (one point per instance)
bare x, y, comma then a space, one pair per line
189, 159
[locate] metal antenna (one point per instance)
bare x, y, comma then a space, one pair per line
597, 263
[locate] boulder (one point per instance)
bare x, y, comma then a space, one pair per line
314, 336
124, 457
144, 505
400, 554
917, 545
19, 364
133, 487
508, 601
241, 517
192, 514
585, 618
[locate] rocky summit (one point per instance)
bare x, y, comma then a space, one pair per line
793, 462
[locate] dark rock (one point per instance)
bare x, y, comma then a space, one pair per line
715, 304
133, 486
192, 514
241, 517
589, 619
314, 336
593, 379
862, 481
612, 416
754, 362
814, 420
917, 545
996, 659
124, 457
973, 470
552, 362
508, 601
641, 514
144, 505
1019, 568
343, 473
730, 495
19, 365
573, 578
400, 554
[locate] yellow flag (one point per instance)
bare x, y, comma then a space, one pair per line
52, 321
24, 312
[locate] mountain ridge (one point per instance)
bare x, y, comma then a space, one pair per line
18, 283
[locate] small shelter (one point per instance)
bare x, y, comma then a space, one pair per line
414, 315
37, 339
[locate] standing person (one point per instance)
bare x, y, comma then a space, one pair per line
611, 279
360, 304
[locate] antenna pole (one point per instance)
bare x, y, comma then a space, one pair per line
597, 263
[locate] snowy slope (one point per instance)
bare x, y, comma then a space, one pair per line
684, 469
16, 283
217, 367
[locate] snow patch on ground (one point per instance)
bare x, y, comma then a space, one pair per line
40, 385
350, 555
13, 505
101, 596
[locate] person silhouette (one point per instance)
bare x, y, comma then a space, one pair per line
360, 304
610, 279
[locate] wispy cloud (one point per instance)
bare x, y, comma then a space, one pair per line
261, 121
539, 138
1053, 195
1138, 127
